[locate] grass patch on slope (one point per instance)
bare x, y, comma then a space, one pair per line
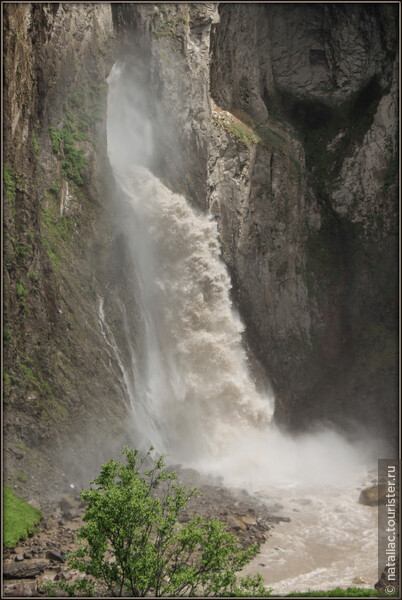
19, 518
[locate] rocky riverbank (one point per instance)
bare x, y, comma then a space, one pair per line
42, 557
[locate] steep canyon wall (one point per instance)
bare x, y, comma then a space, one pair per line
289, 139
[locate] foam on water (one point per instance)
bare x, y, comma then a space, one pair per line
196, 377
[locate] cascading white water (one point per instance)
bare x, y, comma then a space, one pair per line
194, 397
197, 385
190, 389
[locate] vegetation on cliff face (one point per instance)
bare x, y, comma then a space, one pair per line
56, 188
83, 109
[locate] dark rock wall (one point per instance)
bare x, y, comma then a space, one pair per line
317, 277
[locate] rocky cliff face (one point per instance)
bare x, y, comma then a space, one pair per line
309, 214
290, 140
61, 389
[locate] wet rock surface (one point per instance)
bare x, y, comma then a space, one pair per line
374, 495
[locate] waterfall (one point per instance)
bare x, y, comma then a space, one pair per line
195, 387
193, 397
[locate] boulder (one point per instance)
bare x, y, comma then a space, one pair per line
64, 576
191, 476
70, 514
279, 519
50, 523
236, 524
67, 502
55, 555
21, 570
250, 521
374, 495
19, 557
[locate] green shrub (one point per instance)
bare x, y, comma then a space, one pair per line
6, 384
64, 145
135, 545
53, 258
21, 446
22, 251
19, 518
81, 588
57, 229
33, 376
84, 107
56, 137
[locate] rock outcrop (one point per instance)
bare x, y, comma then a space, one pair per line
308, 213
374, 495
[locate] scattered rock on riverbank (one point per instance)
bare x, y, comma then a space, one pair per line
42, 557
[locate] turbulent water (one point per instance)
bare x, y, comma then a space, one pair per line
195, 386
193, 396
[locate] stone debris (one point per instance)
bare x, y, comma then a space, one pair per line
19, 557
66, 502
21, 588
21, 570
54, 555
42, 558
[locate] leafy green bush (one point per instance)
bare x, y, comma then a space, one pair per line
81, 588
135, 545
6, 384
56, 137
34, 277
19, 518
